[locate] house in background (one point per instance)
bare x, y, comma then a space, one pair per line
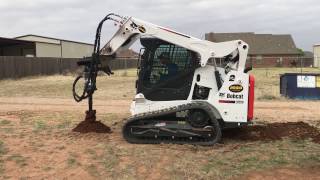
41, 46
265, 50
316, 54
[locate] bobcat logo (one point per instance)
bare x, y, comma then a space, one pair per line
235, 88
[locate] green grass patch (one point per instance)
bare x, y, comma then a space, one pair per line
47, 168
267, 97
49, 121
3, 151
72, 160
66, 123
18, 159
2, 168
4, 122
8, 130
92, 153
3, 148
109, 158
93, 170
39, 126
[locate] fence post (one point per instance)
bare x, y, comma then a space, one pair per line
60, 61
300, 64
267, 72
125, 66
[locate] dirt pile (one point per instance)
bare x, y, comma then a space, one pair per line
91, 125
87, 126
274, 131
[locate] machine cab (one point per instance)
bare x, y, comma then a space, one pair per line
165, 70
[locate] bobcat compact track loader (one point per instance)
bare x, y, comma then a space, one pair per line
183, 96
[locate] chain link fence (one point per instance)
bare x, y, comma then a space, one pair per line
281, 61
274, 61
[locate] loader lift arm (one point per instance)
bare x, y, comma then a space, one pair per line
130, 29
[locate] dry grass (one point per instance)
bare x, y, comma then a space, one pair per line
121, 84
118, 86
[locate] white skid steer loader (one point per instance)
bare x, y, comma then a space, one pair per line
183, 96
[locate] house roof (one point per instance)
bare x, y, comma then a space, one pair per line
260, 44
126, 53
8, 41
46, 37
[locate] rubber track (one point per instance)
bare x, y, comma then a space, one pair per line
153, 114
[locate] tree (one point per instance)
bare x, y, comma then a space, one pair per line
301, 52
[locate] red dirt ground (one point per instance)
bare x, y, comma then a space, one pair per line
274, 131
41, 149
308, 173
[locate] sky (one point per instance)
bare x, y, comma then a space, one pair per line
77, 19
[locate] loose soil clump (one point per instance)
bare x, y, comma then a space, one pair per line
91, 125
274, 131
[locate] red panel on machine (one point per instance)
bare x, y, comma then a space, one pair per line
251, 97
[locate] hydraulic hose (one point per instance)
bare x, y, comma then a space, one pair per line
91, 66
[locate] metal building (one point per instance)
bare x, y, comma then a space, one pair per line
41, 46
316, 53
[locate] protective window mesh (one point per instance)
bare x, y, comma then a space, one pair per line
167, 62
